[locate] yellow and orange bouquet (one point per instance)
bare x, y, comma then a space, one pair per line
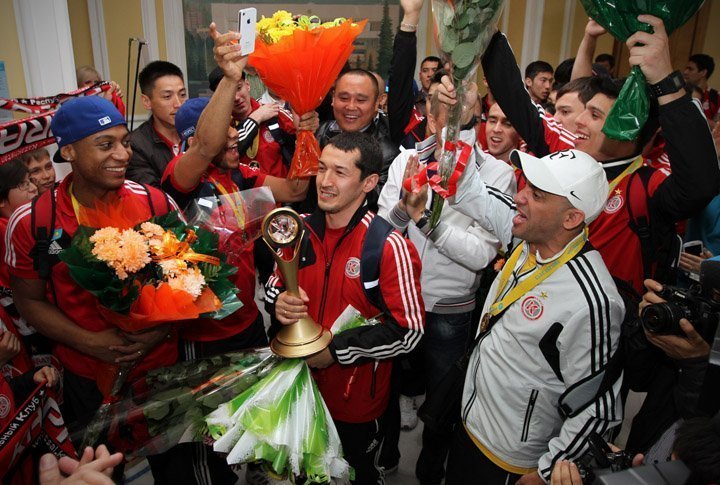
299, 58
157, 271
283, 24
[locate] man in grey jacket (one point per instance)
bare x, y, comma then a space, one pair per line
453, 255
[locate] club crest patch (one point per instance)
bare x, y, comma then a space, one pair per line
532, 307
4, 406
268, 136
614, 204
352, 268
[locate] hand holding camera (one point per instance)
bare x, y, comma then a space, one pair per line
666, 313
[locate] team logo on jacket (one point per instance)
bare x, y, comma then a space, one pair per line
4, 406
532, 307
352, 268
614, 204
268, 136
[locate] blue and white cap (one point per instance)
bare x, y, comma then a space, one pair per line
81, 117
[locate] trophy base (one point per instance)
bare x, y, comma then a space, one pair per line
301, 349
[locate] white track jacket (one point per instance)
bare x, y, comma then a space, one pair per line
555, 339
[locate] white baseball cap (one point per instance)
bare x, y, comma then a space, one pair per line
572, 174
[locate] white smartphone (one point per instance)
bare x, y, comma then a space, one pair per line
247, 18
693, 247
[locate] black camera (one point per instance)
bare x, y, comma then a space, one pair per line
602, 466
664, 318
601, 460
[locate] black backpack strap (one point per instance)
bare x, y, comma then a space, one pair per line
714, 97
42, 226
370, 258
638, 210
153, 198
582, 394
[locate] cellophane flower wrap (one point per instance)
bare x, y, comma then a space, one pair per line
463, 29
299, 59
235, 217
630, 111
168, 405
283, 421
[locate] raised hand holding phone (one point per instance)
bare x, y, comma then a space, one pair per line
247, 18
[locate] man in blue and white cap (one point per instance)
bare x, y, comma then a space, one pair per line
209, 167
93, 138
533, 390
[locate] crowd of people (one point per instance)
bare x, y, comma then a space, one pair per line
516, 316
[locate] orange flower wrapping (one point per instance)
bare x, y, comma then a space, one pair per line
301, 68
158, 306
122, 213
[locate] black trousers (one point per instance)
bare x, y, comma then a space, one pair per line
467, 464
407, 378
362, 444
197, 463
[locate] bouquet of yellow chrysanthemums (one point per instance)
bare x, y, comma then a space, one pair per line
299, 58
283, 24
158, 271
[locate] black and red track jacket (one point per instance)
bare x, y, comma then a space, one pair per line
695, 178
356, 388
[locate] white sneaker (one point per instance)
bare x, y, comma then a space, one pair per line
408, 412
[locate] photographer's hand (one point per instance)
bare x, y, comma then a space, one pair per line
637, 460
565, 473
677, 347
691, 263
650, 298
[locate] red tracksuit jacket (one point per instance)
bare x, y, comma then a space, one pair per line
332, 282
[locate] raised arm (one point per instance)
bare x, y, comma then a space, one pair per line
212, 129
584, 58
506, 83
695, 177
402, 70
490, 207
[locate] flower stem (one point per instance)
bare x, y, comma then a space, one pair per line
448, 159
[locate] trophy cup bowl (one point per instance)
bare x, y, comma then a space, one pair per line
282, 228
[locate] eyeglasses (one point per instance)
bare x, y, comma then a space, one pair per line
25, 185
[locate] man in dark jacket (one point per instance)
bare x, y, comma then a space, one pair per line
355, 109
156, 142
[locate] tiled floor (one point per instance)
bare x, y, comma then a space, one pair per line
410, 443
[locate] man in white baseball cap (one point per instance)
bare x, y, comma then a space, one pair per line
572, 174
535, 388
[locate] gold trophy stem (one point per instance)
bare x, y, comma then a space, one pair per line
304, 337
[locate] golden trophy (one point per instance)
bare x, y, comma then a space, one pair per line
282, 228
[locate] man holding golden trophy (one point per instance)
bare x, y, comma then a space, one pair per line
346, 318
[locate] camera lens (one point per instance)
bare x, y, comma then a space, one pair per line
663, 318
654, 316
